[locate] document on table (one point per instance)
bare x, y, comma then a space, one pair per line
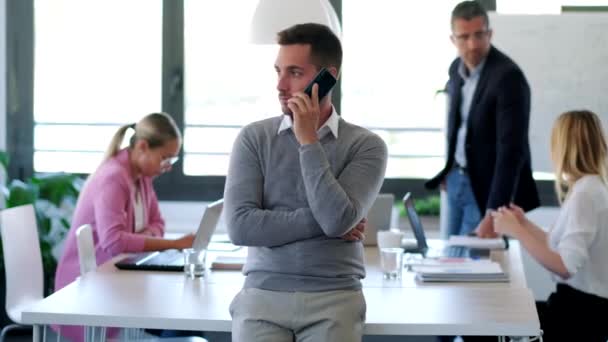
470, 271
476, 242
227, 262
441, 261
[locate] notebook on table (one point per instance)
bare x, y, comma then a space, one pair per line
172, 260
229, 262
471, 271
421, 244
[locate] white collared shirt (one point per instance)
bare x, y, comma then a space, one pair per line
140, 212
467, 91
580, 236
331, 125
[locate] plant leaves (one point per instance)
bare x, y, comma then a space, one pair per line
4, 159
428, 206
54, 197
20, 193
56, 186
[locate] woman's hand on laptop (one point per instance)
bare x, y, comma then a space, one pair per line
357, 233
184, 242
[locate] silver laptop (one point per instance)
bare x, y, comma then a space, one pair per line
172, 259
378, 218
422, 246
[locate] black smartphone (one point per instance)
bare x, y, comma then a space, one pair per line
325, 80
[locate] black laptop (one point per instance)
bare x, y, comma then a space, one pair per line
172, 259
422, 246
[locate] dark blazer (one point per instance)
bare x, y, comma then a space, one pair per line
497, 146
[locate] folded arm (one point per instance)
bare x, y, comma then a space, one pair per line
339, 203
249, 224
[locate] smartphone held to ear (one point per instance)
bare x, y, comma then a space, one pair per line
325, 80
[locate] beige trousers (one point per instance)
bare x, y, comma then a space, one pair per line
272, 316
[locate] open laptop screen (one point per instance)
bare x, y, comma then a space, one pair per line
415, 222
207, 225
448, 251
172, 260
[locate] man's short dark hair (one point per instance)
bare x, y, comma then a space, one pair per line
468, 10
325, 46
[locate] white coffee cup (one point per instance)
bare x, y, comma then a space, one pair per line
389, 238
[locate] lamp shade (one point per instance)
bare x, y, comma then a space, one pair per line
272, 16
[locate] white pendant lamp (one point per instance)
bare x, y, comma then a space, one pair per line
272, 16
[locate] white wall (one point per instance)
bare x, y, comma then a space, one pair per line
565, 59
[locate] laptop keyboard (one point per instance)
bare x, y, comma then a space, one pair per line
456, 251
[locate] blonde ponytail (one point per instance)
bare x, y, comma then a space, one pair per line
155, 128
117, 139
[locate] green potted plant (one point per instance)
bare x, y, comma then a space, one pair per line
54, 198
427, 206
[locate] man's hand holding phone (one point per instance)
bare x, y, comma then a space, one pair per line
306, 114
306, 109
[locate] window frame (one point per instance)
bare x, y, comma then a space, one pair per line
175, 185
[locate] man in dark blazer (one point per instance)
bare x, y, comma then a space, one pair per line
488, 161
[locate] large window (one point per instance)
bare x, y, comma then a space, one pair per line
79, 69
94, 70
228, 84
548, 6
396, 57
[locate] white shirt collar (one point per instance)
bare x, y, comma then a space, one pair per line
465, 74
330, 125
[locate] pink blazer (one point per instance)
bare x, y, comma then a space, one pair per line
107, 203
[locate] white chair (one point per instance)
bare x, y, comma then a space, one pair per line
86, 249
88, 263
22, 262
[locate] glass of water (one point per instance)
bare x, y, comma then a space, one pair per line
194, 262
391, 262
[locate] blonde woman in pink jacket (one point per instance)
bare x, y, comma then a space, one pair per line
119, 202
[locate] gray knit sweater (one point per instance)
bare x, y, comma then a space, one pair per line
290, 204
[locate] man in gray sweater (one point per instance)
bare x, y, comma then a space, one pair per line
297, 191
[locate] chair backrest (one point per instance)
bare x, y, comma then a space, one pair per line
378, 217
22, 259
86, 249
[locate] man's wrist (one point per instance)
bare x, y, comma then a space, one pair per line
308, 140
488, 213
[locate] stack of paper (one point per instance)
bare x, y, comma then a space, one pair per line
414, 261
476, 242
471, 271
224, 262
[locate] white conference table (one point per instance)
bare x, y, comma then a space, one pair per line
109, 297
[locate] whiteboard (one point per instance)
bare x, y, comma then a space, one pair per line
565, 59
